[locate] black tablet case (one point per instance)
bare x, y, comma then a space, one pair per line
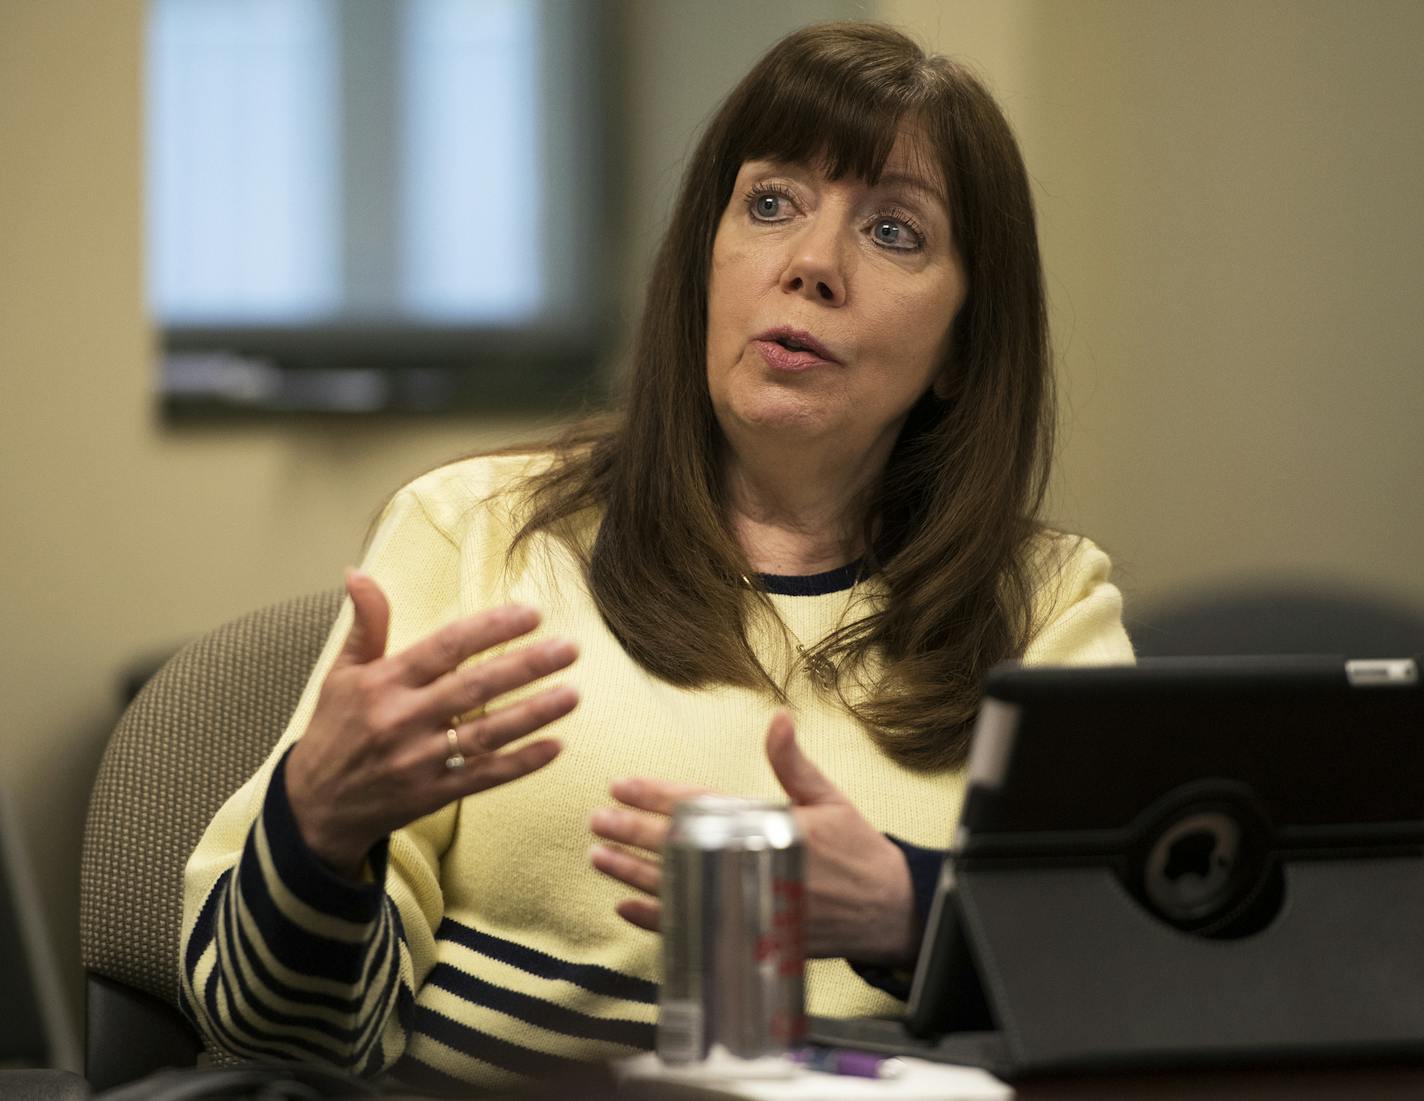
1079, 975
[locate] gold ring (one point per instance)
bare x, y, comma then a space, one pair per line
456, 759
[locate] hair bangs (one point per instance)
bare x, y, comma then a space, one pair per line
827, 108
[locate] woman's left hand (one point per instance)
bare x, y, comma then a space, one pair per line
860, 904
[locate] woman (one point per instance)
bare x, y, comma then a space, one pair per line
817, 503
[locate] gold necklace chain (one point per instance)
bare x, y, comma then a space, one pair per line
820, 669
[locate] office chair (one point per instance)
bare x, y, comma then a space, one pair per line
1279, 618
193, 735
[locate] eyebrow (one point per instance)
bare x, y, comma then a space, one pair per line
917, 183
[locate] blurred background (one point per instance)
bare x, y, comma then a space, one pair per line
1229, 200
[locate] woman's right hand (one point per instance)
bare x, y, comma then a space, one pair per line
373, 757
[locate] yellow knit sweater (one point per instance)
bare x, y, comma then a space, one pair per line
488, 948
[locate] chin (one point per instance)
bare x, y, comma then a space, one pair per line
798, 415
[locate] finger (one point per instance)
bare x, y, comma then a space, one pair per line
466, 689
483, 773
798, 777
658, 796
629, 828
637, 872
642, 912
371, 612
496, 729
441, 651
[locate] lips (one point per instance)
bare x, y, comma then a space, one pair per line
786, 349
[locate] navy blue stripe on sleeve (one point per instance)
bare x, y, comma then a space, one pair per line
185, 1006
381, 955
374, 1025
206, 925
316, 999
405, 1008
296, 948
340, 931
262, 1016
225, 1026
303, 872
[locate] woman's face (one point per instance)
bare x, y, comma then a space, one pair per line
830, 303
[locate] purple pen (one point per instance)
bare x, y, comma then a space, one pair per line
853, 1064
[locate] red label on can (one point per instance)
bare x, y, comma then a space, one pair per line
788, 924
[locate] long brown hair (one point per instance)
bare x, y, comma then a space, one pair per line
951, 527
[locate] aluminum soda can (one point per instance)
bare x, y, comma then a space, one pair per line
733, 917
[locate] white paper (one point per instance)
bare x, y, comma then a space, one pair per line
920, 1081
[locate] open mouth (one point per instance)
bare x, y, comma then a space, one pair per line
783, 352
797, 342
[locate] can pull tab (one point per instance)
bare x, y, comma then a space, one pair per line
1382, 673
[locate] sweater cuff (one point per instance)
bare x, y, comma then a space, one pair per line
924, 866
305, 874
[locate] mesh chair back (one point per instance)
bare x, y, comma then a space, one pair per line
199, 728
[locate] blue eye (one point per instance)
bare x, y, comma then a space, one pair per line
768, 203
895, 234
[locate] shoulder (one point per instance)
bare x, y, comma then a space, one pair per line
453, 496
1077, 608
1065, 567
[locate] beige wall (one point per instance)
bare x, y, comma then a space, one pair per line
1229, 195
1228, 200
120, 537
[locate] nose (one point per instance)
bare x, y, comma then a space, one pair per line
815, 267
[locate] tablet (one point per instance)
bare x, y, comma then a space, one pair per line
1137, 842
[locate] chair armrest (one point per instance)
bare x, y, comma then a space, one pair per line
129, 1034
42, 1085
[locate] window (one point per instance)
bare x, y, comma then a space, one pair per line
363, 205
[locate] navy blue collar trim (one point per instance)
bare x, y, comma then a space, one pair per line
814, 584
